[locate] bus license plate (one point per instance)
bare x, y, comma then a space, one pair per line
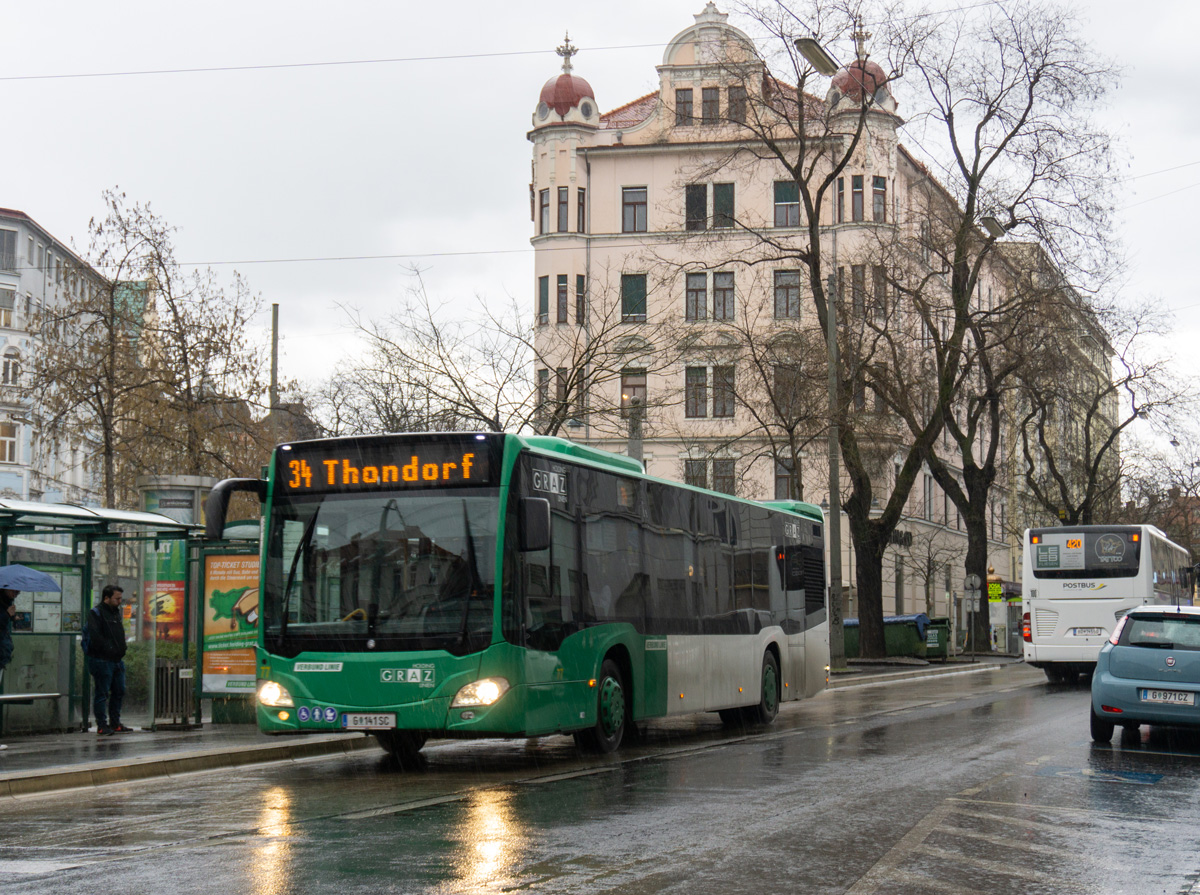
1088, 632
1169, 697
368, 721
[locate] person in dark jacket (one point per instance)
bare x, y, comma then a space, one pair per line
8, 609
106, 655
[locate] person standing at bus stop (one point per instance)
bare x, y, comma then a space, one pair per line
106, 660
8, 610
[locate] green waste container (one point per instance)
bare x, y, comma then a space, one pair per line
901, 636
937, 639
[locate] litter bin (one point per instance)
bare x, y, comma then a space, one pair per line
937, 638
903, 635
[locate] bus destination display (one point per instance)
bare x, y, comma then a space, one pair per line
383, 467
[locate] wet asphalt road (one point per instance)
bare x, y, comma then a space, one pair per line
984, 782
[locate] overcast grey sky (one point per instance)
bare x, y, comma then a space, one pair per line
426, 158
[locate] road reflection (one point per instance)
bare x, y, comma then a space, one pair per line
492, 842
270, 864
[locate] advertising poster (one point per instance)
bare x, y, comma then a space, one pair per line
230, 623
163, 600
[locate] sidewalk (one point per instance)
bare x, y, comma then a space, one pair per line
49, 762
46, 763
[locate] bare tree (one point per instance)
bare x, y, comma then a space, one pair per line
423, 369
1073, 416
153, 370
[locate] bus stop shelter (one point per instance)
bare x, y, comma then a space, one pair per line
39, 686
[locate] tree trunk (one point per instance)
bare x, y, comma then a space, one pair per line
977, 564
868, 566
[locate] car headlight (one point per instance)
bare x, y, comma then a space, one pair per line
270, 693
481, 692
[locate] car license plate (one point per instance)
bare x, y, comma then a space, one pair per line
368, 721
1169, 697
1089, 632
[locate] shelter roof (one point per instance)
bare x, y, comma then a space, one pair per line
28, 515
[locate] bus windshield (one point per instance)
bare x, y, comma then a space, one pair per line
381, 571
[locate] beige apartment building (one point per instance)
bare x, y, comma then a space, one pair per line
672, 317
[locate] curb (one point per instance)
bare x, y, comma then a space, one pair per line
105, 773
856, 681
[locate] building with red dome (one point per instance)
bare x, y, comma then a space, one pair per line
671, 306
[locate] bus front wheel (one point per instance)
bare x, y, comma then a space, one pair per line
404, 747
606, 734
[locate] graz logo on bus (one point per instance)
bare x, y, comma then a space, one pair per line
550, 482
421, 675
1110, 548
792, 530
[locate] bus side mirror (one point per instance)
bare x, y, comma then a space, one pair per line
217, 503
534, 524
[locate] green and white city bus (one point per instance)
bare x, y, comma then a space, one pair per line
464, 585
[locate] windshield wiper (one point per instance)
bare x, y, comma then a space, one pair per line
476, 581
1156, 644
287, 588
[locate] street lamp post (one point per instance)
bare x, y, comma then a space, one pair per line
837, 643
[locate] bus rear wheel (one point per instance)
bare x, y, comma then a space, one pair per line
403, 747
768, 701
605, 736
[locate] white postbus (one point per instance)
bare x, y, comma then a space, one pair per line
1080, 580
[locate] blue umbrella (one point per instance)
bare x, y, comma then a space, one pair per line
18, 577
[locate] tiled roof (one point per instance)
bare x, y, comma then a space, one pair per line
631, 113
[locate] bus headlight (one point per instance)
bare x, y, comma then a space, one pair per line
481, 692
270, 693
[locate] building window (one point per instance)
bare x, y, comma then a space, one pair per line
8, 442
879, 296
695, 402
683, 107
543, 394
633, 389
633, 209
723, 392
41, 262
560, 391
8, 301
581, 211
543, 311
787, 483
8, 249
696, 206
856, 197
695, 473
722, 205
10, 372
858, 288
787, 294
879, 199
723, 295
543, 212
737, 104
840, 215
580, 298
564, 198
696, 297
633, 298
927, 510
723, 476
710, 105
789, 389
563, 301
787, 203
899, 586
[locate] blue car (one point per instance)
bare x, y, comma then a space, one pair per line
1148, 672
